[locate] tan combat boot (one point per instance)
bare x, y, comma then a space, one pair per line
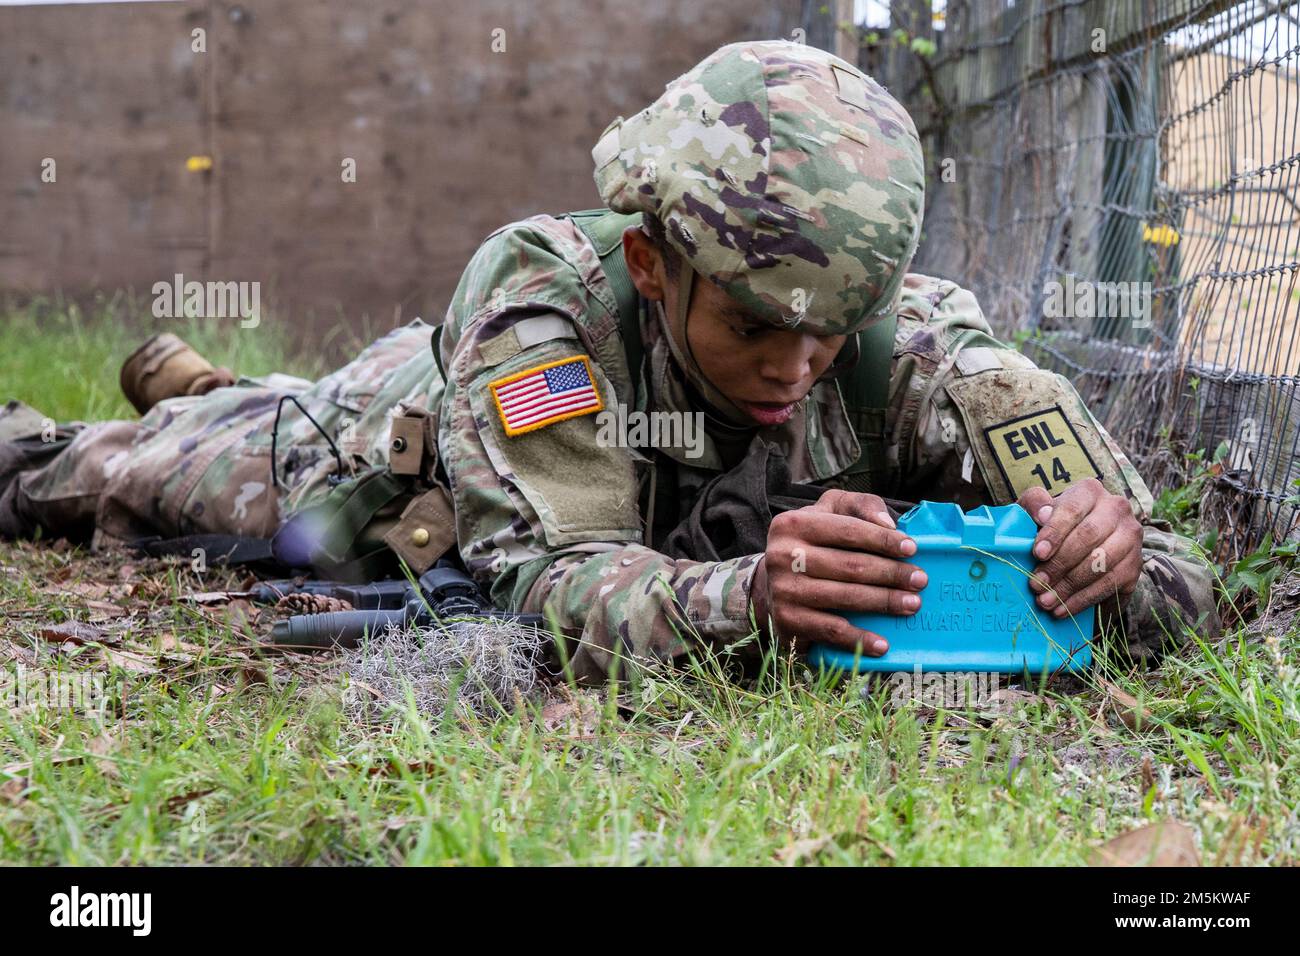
166, 367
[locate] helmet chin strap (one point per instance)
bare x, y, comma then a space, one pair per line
717, 406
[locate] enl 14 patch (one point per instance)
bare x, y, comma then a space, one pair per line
1040, 449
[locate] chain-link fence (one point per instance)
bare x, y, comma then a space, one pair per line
1117, 183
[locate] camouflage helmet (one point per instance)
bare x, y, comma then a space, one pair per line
789, 178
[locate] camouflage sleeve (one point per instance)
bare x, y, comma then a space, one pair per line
1177, 589
979, 423
548, 514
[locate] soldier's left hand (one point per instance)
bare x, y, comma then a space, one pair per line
1089, 547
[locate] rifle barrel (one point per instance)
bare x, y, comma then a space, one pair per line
333, 628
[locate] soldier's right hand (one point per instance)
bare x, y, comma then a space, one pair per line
843, 553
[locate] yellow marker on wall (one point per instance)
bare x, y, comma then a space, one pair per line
198, 164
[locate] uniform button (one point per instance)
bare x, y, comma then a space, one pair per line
419, 537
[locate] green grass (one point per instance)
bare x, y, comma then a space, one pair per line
214, 753
64, 358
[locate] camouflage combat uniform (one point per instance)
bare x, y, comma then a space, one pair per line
202, 464
554, 521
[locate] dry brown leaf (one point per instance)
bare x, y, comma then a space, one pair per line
170, 804
1005, 700
425, 768
181, 799
103, 610
170, 644
252, 674
84, 591
1166, 843
136, 663
15, 769
1126, 707
75, 632
12, 791
241, 617
102, 746
208, 597
577, 715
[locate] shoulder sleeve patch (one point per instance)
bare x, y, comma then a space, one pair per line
545, 394
982, 358
1028, 428
569, 484
1041, 448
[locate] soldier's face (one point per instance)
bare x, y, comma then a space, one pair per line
763, 370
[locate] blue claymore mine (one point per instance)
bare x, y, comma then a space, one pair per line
977, 611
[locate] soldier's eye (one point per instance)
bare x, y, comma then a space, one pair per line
748, 331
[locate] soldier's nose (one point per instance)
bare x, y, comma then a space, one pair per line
787, 367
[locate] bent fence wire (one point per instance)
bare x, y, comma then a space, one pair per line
1117, 184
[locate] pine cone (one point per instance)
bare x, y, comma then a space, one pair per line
302, 603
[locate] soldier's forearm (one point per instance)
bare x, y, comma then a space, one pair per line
635, 602
1176, 591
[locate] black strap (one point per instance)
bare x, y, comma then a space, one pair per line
228, 549
436, 342
335, 478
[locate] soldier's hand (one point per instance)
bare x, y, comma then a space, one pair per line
841, 554
1089, 547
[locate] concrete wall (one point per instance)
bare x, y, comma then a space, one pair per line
450, 138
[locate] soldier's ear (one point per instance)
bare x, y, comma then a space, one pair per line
644, 264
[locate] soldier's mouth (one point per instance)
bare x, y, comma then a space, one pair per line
769, 413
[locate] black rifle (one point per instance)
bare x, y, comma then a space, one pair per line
443, 593
362, 597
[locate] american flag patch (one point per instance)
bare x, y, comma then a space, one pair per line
546, 394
